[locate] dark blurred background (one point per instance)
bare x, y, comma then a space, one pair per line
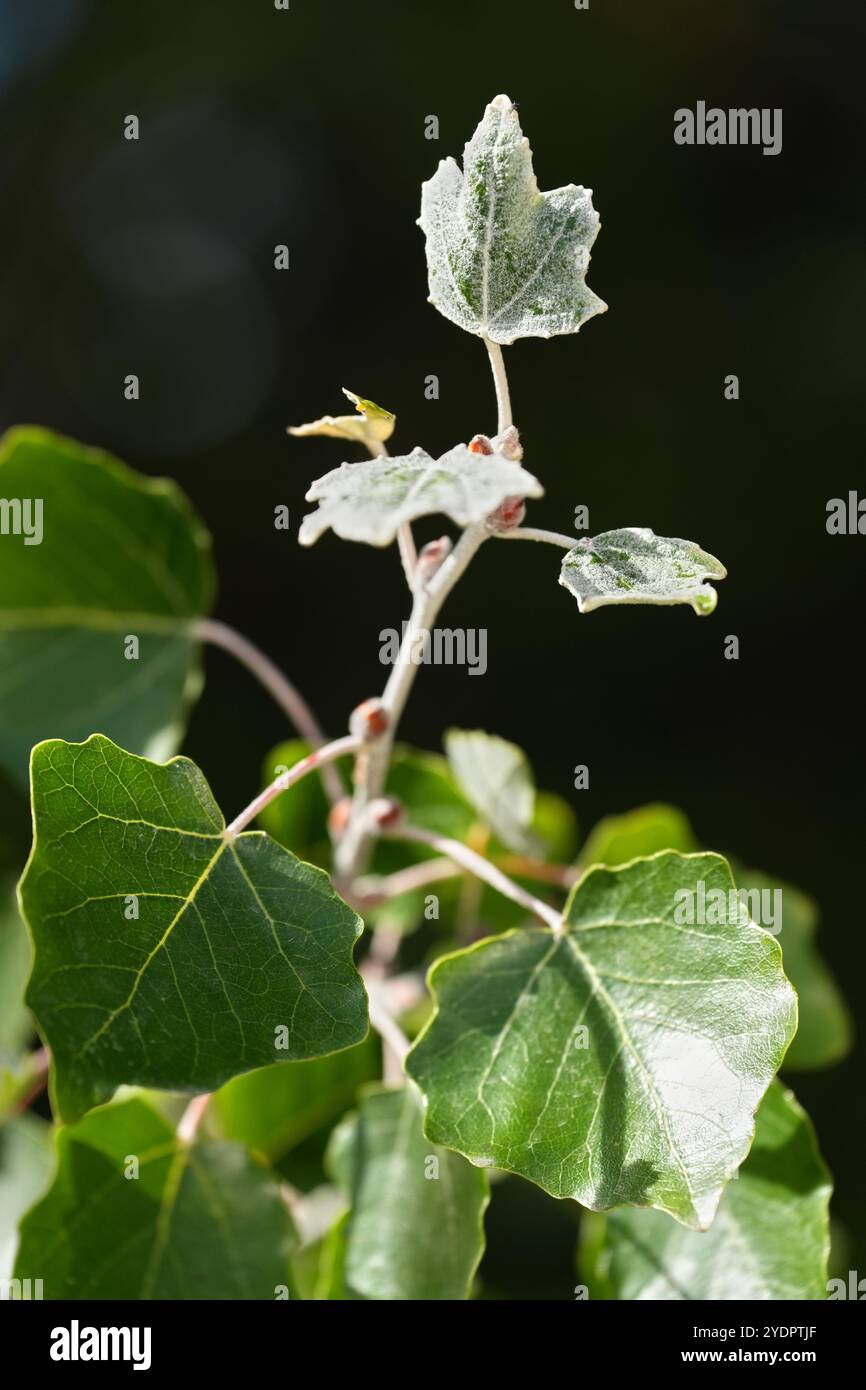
306, 128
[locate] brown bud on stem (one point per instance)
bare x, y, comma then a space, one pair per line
385, 813
508, 514
480, 444
430, 558
338, 817
368, 721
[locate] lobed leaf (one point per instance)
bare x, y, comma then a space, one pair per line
369, 501
620, 1061
503, 259
634, 565
240, 955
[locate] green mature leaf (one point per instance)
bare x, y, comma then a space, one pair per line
120, 556
416, 1225
369, 501
240, 955
634, 565
135, 1214
16, 1025
825, 1031
26, 1161
639, 833
621, 1061
273, 1109
770, 1238
503, 259
496, 777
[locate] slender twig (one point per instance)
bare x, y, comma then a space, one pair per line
396, 1044
408, 553
191, 1118
482, 868
500, 381
429, 598
534, 533
374, 890
562, 875
287, 696
317, 759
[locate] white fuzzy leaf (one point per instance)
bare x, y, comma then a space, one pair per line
369, 501
505, 260
634, 565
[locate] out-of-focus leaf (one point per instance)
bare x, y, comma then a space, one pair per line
770, 1238
638, 834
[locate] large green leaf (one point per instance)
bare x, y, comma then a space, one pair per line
496, 777
503, 259
415, 1229
241, 955
120, 556
369, 501
135, 1214
770, 1238
274, 1108
617, 1062
634, 565
825, 1030
26, 1160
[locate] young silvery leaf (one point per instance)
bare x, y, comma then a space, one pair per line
634, 565
370, 500
166, 953
415, 1229
622, 1060
496, 777
770, 1238
120, 556
503, 259
134, 1213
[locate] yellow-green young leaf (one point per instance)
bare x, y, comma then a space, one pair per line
637, 834
273, 1109
369, 501
416, 1226
371, 426
168, 954
824, 1034
133, 1213
620, 1061
96, 605
496, 777
634, 565
770, 1238
503, 259
26, 1160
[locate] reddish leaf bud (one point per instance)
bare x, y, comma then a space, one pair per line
480, 444
386, 812
369, 720
338, 817
508, 514
430, 558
